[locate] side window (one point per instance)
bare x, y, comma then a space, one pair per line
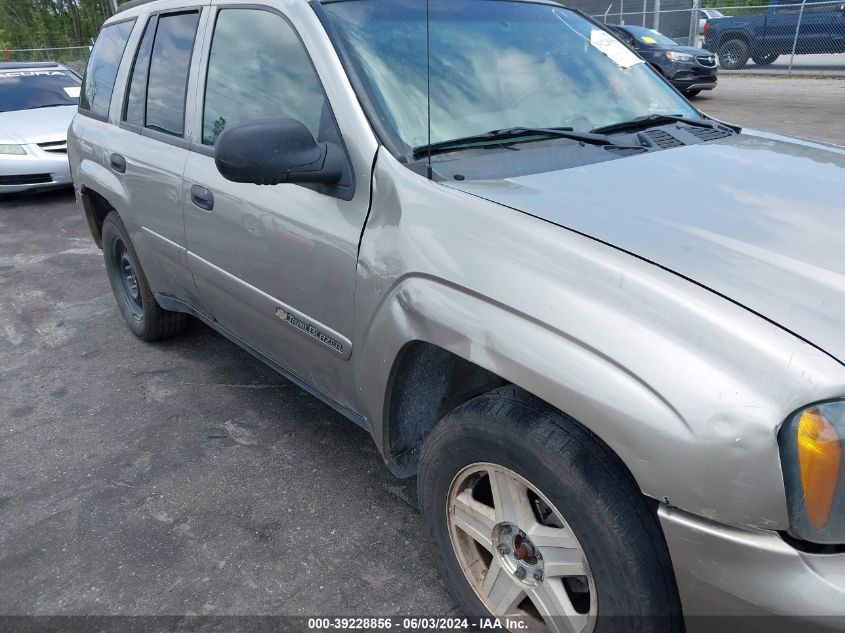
136, 99
98, 83
258, 68
168, 75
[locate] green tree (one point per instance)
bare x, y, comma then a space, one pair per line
50, 23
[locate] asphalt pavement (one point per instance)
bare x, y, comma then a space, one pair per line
182, 477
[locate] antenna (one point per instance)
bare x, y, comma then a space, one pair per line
428, 79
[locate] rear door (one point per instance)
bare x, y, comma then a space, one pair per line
277, 264
148, 150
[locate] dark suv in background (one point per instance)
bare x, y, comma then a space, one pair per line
689, 69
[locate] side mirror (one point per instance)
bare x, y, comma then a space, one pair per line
273, 151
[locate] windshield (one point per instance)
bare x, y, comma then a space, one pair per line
27, 89
495, 64
650, 36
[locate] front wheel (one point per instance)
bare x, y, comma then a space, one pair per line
692, 93
733, 54
533, 518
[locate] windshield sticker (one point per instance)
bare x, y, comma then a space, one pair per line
72, 91
648, 40
621, 55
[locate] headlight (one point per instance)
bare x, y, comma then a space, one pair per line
11, 149
679, 57
812, 443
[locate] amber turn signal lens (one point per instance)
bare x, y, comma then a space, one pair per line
820, 458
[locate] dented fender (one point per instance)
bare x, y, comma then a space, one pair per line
688, 388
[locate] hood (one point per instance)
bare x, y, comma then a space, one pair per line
758, 218
36, 126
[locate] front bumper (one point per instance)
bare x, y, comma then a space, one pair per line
687, 76
742, 580
37, 169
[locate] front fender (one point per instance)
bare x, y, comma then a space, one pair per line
686, 387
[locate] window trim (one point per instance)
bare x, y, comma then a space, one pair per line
90, 113
153, 17
158, 15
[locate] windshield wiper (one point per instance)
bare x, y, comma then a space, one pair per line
657, 119
513, 134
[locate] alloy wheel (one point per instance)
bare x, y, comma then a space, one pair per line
517, 552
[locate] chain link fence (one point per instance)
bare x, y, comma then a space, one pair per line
786, 37
75, 57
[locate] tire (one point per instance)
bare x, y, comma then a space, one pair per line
765, 60
147, 320
692, 93
543, 457
733, 54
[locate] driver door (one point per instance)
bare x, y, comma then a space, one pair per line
276, 265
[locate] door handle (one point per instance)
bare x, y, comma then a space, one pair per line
118, 163
202, 197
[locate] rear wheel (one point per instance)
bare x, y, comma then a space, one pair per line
765, 60
692, 93
532, 517
135, 300
733, 54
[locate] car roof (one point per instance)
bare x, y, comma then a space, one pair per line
26, 65
126, 6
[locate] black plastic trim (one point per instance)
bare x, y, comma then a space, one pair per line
811, 548
93, 115
165, 137
152, 23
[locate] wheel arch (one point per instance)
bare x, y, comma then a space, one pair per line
96, 208
443, 361
737, 34
425, 383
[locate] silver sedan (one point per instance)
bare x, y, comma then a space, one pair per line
37, 103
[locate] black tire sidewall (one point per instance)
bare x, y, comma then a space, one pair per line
113, 230
742, 54
579, 477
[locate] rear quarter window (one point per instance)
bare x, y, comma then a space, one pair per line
98, 83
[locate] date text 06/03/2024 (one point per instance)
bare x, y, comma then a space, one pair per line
418, 623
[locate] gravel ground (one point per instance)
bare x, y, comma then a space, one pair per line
809, 108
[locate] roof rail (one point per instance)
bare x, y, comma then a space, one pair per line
13, 65
131, 5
